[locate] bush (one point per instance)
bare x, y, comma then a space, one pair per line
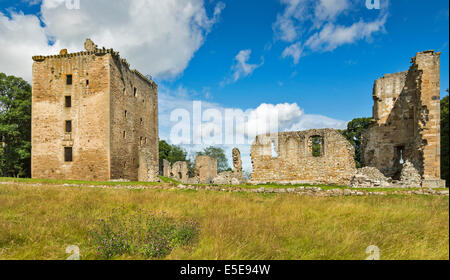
145, 234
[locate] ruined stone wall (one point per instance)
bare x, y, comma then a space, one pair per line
407, 121
89, 114
134, 124
205, 169
164, 168
288, 158
179, 171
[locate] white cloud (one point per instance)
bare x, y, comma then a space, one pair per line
285, 29
332, 36
242, 68
157, 37
294, 51
329, 10
21, 37
311, 25
290, 117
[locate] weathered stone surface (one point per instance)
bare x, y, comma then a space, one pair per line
113, 114
369, 177
90, 46
164, 168
237, 162
234, 177
303, 191
146, 167
296, 162
407, 121
205, 169
409, 176
223, 178
180, 171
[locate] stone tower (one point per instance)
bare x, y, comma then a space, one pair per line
406, 125
93, 118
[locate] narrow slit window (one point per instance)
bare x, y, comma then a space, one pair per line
87, 82
68, 154
68, 102
68, 126
124, 135
69, 79
135, 92
400, 155
126, 114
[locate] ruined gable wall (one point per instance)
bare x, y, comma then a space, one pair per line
295, 162
413, 123
391, 137
134, 125
89, 114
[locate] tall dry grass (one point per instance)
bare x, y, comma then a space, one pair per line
39, 223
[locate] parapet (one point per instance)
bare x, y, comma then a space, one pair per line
92, 49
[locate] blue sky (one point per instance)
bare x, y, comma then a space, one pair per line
314, 62
337, 83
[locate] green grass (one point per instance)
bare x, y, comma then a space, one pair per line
170, 181
79, 182
40, 222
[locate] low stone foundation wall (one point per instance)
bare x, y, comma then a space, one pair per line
304, 191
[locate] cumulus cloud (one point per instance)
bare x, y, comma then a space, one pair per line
213, 128
21, 37
315, 25
157, 37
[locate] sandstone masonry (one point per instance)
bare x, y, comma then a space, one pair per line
205, 169
93, 118
406, 125
313, 156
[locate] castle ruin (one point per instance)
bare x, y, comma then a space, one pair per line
313, 156
93, 118
406, 125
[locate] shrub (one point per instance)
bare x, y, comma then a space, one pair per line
146, 234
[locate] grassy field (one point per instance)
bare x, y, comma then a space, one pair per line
40, 222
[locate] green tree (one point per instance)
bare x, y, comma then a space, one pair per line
172, 153
353, 133
444, 139
177, 154
164, 150
15, 127
219, 154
